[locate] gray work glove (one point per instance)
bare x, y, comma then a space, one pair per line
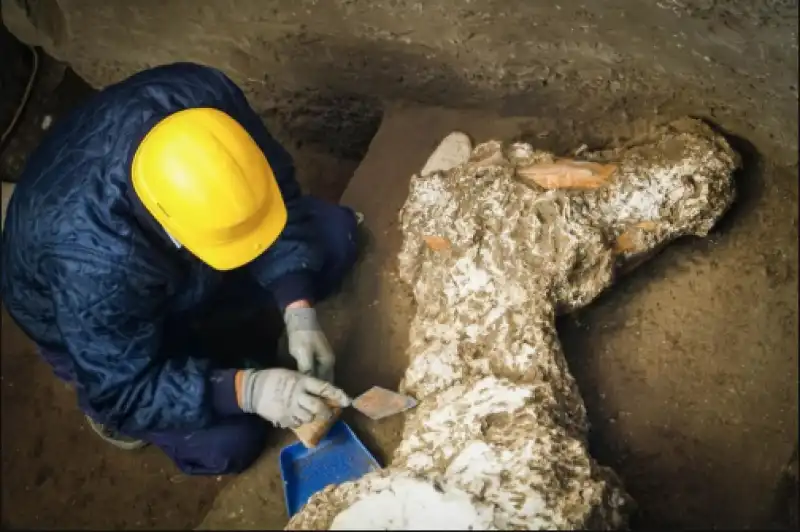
288, 398
308, 344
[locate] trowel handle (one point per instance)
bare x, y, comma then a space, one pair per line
311, 433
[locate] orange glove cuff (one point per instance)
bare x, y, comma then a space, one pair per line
238, 384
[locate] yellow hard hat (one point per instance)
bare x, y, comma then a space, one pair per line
206, 181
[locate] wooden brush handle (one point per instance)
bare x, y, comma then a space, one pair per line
311, 433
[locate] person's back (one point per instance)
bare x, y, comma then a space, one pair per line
73, 193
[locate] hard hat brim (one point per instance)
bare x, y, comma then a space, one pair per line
237, 253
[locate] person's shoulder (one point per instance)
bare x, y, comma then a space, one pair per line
85, 150
81, 201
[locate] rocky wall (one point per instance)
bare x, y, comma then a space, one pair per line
321, 69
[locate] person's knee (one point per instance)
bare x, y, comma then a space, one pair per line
338, 226
229, 447
345, 225
337, 231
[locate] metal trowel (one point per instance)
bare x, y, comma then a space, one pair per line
376, 403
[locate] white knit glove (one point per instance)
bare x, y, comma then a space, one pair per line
288, 398
308, 344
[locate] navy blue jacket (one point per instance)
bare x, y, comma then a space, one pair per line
86, 272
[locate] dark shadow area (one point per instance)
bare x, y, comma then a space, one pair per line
343, 124
343, 109
749, 179
786, 500
56, 90
16, 71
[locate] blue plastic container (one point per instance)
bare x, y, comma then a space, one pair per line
339, 457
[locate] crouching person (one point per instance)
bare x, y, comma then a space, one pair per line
160, 199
